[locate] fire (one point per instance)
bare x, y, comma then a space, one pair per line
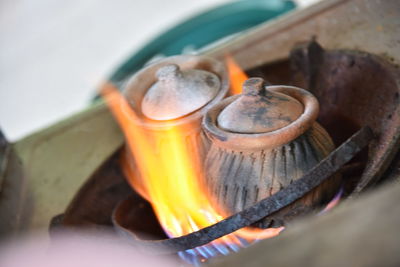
236, 75
334, 202
170, 176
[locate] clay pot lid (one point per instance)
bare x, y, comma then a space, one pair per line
179, 92
259, 110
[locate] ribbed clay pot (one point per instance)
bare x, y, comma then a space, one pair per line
263, 140
175, 92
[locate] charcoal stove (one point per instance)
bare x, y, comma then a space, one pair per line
343, 72
127, 225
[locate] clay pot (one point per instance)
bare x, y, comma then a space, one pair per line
175, 92
263, 140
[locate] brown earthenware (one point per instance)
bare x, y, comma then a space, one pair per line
261, 141
175, 92
178, 93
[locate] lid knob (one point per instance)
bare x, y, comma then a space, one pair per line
255, 86
169, 73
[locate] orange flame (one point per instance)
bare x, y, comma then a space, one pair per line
236, 75
170, 176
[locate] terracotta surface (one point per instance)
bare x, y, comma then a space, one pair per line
141, 82
254, 142
178, 93
259, 110
242, 169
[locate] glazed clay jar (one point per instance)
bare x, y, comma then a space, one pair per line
263, 140
175, 92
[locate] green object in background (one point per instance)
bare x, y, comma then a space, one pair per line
204, 29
